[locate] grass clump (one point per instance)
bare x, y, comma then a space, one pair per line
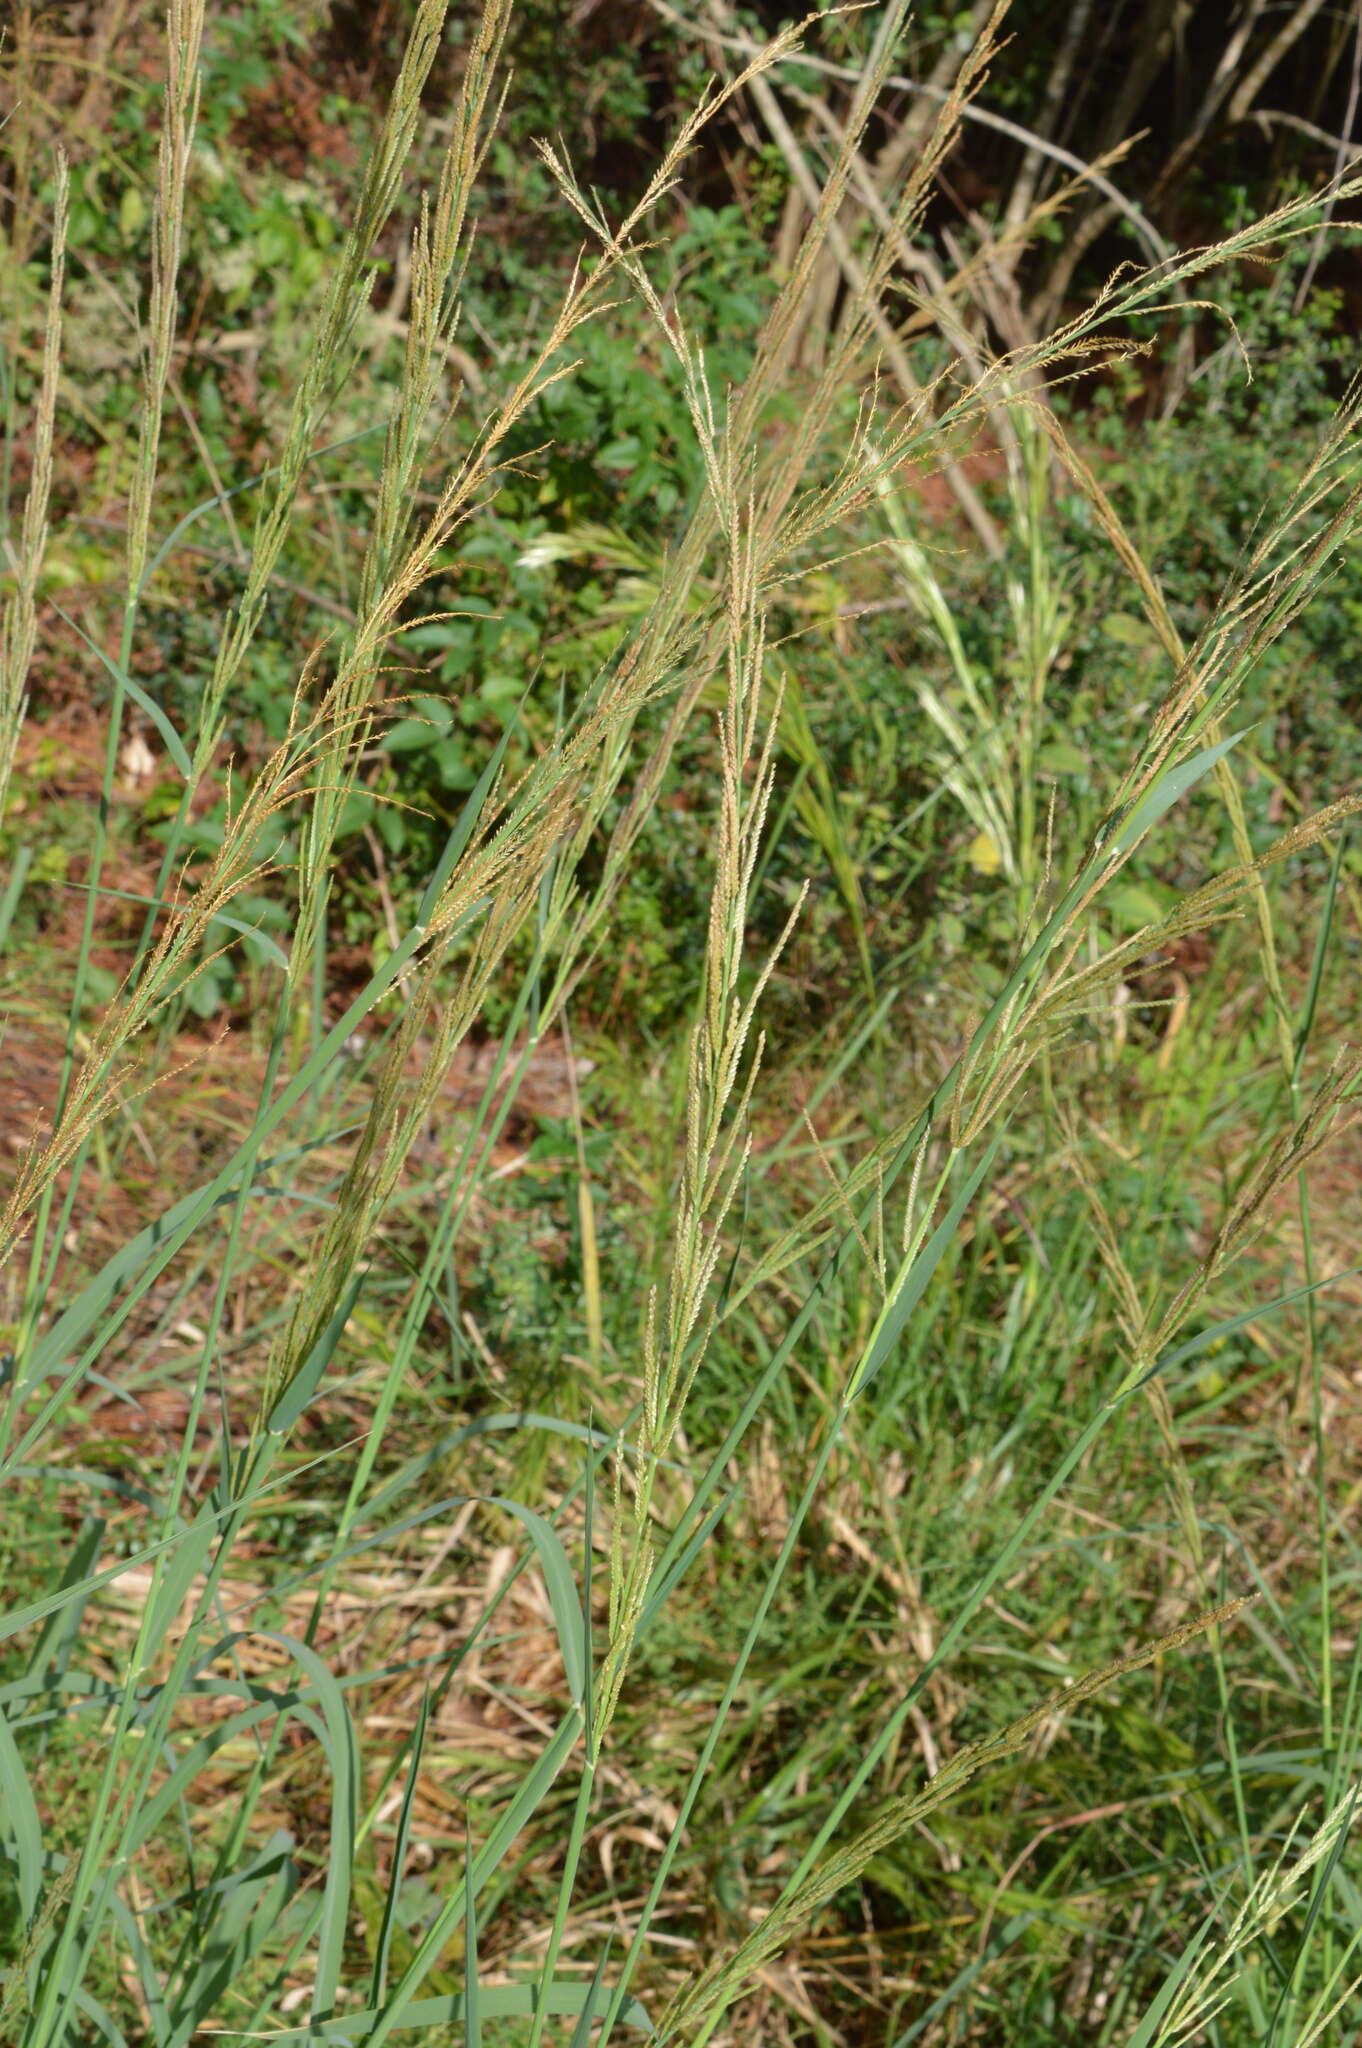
546, 1526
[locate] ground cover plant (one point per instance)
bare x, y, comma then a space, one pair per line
679, 1215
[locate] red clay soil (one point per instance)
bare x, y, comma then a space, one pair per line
284, 128
982, 466
170, 1132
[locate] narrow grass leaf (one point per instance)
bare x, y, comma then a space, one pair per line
916, 1277
593, 2004
60, 1631
1321, 954
564, 1598
88, 2004
342, 1753
1006, 1937
399, 2010
302, 1388
379, 1980
181, 1568
75, 1322
472, 2016
206, 505
673, 1565
153, 1991
20, 1826
20, 864
1149, 2029
253, 1901
174, 745
561, 2000
1173, 784
1206, 1338
463, 831
484, 1425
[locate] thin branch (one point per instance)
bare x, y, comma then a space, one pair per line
1248, 89
896, 355
1345, 143
1159, 250
1028, 177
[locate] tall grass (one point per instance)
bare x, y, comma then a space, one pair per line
173, 1906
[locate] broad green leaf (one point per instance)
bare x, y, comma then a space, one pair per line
1129, 631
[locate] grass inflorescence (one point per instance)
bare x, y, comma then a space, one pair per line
820, 1514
